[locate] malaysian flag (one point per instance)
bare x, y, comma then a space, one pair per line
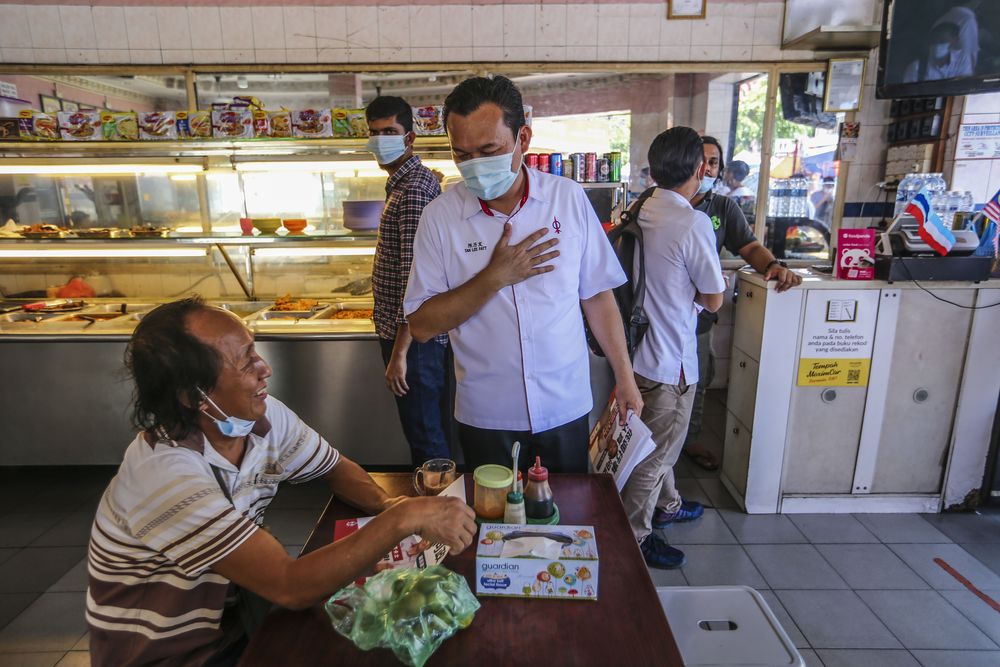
932, 230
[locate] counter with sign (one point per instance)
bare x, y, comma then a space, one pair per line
860, 396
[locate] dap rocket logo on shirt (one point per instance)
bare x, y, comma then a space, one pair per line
716, 222
556, 225
475, 246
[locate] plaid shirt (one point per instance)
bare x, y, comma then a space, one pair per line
407, 191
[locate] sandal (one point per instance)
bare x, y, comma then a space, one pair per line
704, 459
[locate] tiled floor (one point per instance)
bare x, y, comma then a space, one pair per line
851, 591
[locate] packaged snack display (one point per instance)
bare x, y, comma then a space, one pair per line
194, 124
280, 123
232, 123
120, 126
349, 123
427, 121
261, 124
312, 123
157, 125
534, 561
80, 126
38, 126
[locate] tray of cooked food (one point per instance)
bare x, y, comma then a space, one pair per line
101, 233
288, 308
55, 306
43, 231
149, 232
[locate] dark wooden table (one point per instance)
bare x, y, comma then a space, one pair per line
625, 626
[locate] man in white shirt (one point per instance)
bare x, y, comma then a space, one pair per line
683, 274
177, 531
511, 302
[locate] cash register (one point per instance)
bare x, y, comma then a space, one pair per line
901, 254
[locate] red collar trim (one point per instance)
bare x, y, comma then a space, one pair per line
527, 186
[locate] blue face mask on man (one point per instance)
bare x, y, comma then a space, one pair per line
940, 50
707, 183
489, 177
387, 148
231, 427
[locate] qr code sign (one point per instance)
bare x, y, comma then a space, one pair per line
854, 377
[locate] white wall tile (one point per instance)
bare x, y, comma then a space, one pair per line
77, 27
45, 27
236, 56
174, 27
977, 104
362, 28
451, 54
362, 54
769, 9
766, 53
550, 25
50, 56
268, 28
19, 55
582, 30
487, 53
519, 25
737, 52
146, 56
109, 27
270, 55
300, 27
644, 26
707, 32
394, 27
182, 56
425, 26
767, 31
487, 26
425, 54
612, 26
456, 27
706, 52
737, 30
394, 54
793, 54
14, 31
645, 53
205, 28
680, 53
745, 9
675, 33
237, 31
331, 27
143, 31
551, 53
301, 55
332, 55
113, 56
208, 56
82, 56
518, 53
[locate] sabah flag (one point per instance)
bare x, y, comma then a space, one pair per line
932, 230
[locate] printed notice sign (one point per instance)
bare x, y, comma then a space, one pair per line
837, 338
978, 141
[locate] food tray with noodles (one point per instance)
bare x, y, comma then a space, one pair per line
99, 233
149, 232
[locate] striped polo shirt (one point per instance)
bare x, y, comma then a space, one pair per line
164, 521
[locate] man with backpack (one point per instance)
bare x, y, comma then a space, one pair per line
682, 275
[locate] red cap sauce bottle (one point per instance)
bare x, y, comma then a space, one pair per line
538, 502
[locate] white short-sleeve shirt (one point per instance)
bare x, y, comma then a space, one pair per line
521, 362
681, 260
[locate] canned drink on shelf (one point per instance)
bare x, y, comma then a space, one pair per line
568, 167
579, 167
615, 158
591, 159
556, 164
531, 159
543, 163
603, 169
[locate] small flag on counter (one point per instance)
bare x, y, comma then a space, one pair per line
988, 242
932, 229
992, 208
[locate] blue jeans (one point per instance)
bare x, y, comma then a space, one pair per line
425, 410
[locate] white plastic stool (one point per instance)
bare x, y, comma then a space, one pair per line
726, 625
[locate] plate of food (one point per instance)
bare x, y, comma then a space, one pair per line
56, 306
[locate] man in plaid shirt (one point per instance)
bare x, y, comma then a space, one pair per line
417, 373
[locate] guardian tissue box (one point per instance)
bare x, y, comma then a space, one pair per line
529, 561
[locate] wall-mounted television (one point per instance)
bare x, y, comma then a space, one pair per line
939, 47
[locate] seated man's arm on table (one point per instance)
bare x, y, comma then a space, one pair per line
435, 309
262, 565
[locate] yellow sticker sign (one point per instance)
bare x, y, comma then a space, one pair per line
834, 372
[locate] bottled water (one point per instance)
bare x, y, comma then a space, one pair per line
953, 206
902, 192
968, 202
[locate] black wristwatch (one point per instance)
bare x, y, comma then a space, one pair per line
773, 262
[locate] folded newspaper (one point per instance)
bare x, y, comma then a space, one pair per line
617, 449
413, 551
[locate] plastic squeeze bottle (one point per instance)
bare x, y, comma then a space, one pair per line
514, 510
538, 502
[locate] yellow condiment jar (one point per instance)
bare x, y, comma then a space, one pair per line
492, 484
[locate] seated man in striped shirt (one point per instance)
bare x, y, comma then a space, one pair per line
176, 559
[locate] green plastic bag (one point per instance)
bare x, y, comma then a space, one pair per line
409, 611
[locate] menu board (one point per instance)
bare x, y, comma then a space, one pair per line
837, 338
978, 141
